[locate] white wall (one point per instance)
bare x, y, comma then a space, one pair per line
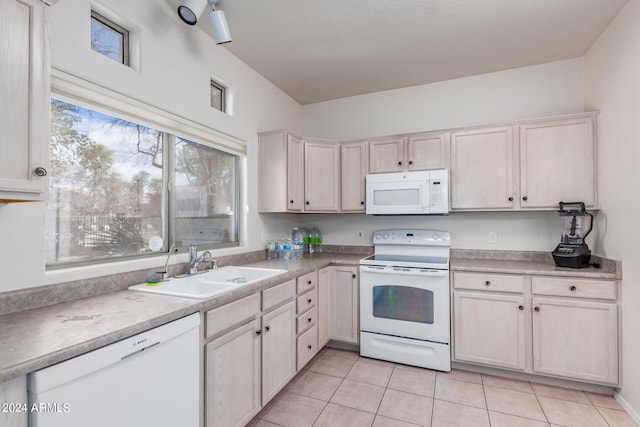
612, 76
536, 91
172, 73
540, 90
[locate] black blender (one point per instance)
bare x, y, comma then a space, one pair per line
572, 251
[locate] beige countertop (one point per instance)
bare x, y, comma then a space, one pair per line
35, 338
39, 337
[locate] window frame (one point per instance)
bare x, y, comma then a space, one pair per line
223, 95
88, 95
125, 57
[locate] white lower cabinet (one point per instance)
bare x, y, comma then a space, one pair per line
344, 295
251, 354
576, 339
233, 376
324, 306
278, 349
490, 329
564, 327
13, 394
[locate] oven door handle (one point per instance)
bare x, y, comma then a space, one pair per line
423, 272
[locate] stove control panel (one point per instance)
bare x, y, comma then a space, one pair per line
412, 237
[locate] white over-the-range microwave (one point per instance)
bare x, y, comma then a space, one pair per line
408, 193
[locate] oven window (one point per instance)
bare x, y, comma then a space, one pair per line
403, 303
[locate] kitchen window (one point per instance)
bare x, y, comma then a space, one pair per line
109, 38
120, 188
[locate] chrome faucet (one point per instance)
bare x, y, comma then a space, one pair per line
194, 259
165, 273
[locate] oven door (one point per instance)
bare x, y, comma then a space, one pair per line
405, 302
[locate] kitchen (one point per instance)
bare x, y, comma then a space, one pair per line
597, 81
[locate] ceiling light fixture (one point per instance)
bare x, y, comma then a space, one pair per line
190, 10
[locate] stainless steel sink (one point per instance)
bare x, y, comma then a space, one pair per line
209, 283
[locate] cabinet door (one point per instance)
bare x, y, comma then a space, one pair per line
427, 151
354, 172
233, 377
482, 169
324, 305
489, 329
321, 176
576, 339
557, 163
295, 174
24, 144
344, 297
386, 155
14, 392
278, 349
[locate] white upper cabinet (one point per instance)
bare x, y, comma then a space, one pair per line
321, 175
482, 169
427, 151
386, 155
419, 151
557, 163
24, 145
354, 171
280, 172
531, 165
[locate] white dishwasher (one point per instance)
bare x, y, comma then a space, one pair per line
150, 379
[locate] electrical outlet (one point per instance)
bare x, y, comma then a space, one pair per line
493, 237
360, 235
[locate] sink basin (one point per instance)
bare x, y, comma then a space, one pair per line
209, 283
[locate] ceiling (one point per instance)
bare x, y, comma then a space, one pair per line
322, 50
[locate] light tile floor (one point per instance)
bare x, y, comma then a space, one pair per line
341, 389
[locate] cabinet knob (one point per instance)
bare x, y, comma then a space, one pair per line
309, 320
40, 171
307, 202
309, 300
353, 276
258, 332
399, 163
291, 201
511, 199
410, 162
521, 307
267, 328
487, 283
362, 203
537, 308
308, 282
572, 288
525, 198
309, 346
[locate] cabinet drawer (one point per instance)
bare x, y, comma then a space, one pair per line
222, 318
307, 301
568, 287
278, 294
307, 320
306, 282
307, 346
489, 282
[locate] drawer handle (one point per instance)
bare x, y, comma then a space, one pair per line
267, 328
258, 332
572, 288
521, 307
537, 308
487, 283
309, 320
309, 346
